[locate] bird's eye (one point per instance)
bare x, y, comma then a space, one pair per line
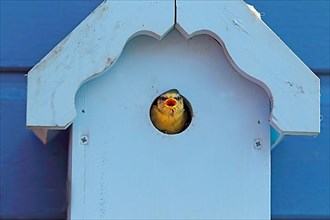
178, 98
162, 98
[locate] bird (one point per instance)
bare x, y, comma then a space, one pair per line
168, 112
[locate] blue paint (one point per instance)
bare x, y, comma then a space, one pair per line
33, 176
275, 137
302, 25
301, 169
30, 29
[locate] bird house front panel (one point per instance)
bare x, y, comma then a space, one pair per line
129, 163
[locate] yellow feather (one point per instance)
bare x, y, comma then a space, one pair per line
169, 119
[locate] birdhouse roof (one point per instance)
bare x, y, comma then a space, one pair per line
250, 46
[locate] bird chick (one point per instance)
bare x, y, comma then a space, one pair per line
168, 113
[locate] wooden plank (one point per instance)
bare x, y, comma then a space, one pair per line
130, 170
93, 47
301, 168
303, 26
300, 183
260, 56
30, 29
32, 175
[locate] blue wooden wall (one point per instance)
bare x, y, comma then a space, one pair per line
33, 176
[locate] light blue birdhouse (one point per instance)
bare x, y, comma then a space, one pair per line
239, 81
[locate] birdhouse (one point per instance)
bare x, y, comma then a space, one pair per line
233, 78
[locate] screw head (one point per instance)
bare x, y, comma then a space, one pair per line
257, 143
83, 139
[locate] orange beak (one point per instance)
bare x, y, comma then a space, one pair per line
171, 103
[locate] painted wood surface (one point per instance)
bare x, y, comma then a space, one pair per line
30, 29
260, 56
86, 53
33, 176
303, 26
130, 170
98, 41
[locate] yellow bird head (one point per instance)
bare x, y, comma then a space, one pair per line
168, 113
170, 102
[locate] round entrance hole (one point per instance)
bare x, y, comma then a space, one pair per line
171, 112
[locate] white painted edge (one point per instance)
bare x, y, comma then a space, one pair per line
251, 47
88, 51
260, 56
